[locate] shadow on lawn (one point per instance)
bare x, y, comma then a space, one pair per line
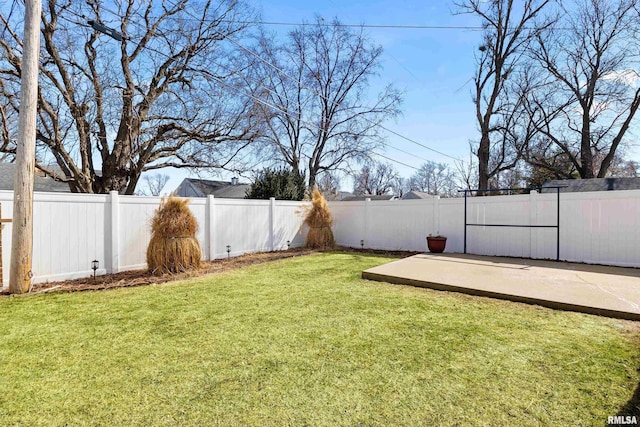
631, 408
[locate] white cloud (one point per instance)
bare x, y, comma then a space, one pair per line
628, 77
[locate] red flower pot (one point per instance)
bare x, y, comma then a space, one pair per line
436, 244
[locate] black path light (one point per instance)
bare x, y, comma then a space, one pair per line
228, 251
94, 266
362, 243
288, 244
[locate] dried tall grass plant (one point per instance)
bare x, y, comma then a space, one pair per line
319, 220
173, 247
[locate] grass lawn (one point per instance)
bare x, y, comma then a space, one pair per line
305, 341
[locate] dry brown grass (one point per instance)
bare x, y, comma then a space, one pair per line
174, 219
173, 247
319, 220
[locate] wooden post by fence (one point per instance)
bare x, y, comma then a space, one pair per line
22, 233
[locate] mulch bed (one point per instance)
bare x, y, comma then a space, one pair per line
144, 277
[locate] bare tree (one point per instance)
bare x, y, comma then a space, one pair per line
312, 90
375, 179
8, 122
328, 182
556, 165
156, 96
625, 169
154, 183
434, 178
467, 172
589, 92
399, 186
509, 29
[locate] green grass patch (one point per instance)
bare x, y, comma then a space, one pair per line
305, 341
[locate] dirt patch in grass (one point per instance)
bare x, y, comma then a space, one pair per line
144, 277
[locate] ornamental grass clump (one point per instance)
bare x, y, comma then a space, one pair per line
173, 247
319, 220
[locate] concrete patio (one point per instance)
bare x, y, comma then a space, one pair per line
594, 289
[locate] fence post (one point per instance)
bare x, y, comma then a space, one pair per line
533, 220
272, 232
367, 220
436, 215
113, 236
211, 227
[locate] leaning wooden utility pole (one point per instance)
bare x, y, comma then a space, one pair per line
22, 234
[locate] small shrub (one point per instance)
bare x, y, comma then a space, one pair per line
173, 247
319, 220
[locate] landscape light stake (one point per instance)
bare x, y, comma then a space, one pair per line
288, 244
362, 244
228, 251
94, 266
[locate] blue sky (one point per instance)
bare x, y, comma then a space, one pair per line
432, 66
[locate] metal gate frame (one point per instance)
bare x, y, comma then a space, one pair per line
556, 226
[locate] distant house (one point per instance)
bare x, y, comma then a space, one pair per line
336, 196
363, 197
417, 195
191, 187
41, 182
593, 184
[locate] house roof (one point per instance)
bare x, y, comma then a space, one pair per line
40, 183
191, 187
363, 197
336, 196
411, 195
593, 184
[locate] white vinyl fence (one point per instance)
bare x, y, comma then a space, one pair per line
71, 230
597, 228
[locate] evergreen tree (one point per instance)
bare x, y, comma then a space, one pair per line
282, 184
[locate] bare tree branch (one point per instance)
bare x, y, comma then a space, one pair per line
310, 92
509, 29
589, 96
110, 110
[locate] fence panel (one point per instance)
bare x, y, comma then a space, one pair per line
601, 227
241, 224
400, 225
288, 219
68, 233
450, 222
598, 227
348, 223
70, 230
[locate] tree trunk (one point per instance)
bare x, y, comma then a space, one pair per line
586, 157
483, 164
312, 177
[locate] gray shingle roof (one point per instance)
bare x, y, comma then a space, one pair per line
361, 198
411, 195
336, 196
41, 183
594, 184
191, 187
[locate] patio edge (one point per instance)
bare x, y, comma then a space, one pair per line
367, 275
